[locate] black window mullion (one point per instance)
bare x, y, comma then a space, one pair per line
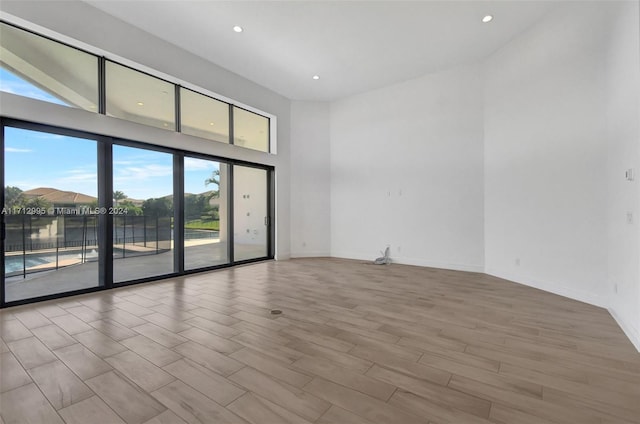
178, 212
102, 86
2, 226
269, 147
178, 107
230, 217
231, 136
270, 213
105, 219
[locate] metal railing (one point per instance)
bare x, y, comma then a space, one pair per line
41, 240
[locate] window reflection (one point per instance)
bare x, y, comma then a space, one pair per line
36, 67
139, 97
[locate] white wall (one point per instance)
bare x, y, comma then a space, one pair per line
84, 23
310, 180
406, 171
622, 73
545, 156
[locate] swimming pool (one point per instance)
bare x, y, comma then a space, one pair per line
13, 264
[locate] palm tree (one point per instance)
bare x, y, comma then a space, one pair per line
214, 179
118, 195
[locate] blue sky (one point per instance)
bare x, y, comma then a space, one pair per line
9, 83
35, 159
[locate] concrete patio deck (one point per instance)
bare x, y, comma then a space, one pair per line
85, 275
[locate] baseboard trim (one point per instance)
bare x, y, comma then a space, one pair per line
318, 254
631, 332
282, 256
551, 287
413, 261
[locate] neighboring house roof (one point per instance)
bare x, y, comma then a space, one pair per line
59, 197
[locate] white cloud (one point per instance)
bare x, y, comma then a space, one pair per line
78, 177
193, 164
145, 172
16, 150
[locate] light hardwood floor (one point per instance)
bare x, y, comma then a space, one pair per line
356, 343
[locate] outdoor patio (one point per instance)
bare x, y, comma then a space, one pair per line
198, 254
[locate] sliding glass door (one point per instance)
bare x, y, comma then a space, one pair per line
250, 213
84, 212
142, 213
50, 214
205, 213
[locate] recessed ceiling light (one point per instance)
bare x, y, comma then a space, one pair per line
316, 77
237, 28
487, 19
140, 104
210, 123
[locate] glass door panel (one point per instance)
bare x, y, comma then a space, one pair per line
50, 214
250, 213
143, 213
205, 213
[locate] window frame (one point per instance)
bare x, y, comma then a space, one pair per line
103, 58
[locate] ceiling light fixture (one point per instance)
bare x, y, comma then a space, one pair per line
210, 123
237, 28
316, 77
140, 104
487, 19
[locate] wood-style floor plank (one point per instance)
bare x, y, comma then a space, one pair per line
27, 404
210, 384
31, 352
296, 400
258, 410
53, 336
12, 375
92, 410
128, 401
137, 369
194, 407
84, 363
62, 387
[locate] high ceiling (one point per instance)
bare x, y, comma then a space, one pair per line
354, 46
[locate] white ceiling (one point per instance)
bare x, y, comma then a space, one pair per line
354, 46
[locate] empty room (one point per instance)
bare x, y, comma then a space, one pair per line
347, 212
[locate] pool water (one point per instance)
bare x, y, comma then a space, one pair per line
14, 264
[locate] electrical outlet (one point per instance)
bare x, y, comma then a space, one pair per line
629, 217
